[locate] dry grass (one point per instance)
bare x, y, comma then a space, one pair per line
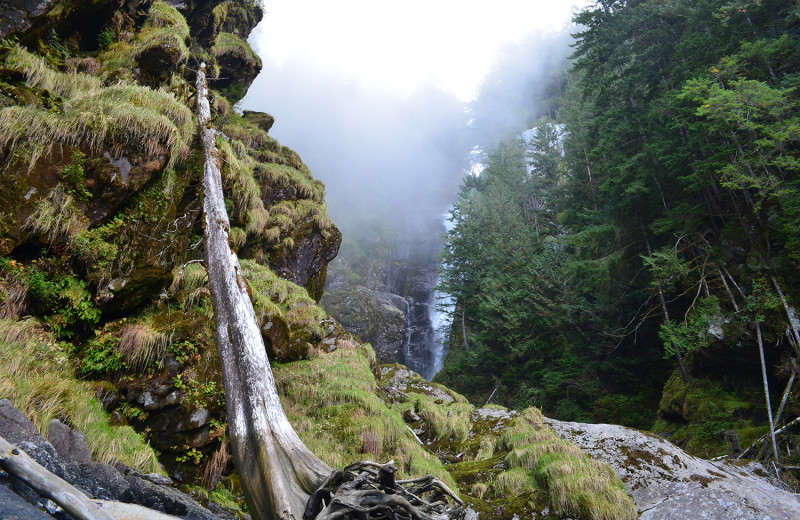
56, 217
331, 401
141, 345
513, 482
13, 297
576, 484
215, 466
36, 376
450, 421
274, 296
116, 118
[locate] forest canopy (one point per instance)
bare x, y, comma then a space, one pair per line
634, 250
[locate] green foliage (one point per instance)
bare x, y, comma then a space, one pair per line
660, 212
64, 299
73, 175
106, 38
102, 357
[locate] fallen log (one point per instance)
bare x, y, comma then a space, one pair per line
19, 464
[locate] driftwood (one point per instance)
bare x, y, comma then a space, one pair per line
368, 491
19, 464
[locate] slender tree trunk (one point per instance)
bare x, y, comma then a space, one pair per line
464, 327
790, 315
663, 301
766, 390
277, 471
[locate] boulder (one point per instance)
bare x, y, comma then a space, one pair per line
71, 445
14, 507
667, 483
164, 499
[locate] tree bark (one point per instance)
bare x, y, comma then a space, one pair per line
278, 472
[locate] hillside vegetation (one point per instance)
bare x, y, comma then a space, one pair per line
633, 257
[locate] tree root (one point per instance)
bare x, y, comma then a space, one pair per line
368, 491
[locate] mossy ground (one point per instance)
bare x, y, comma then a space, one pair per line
507, 463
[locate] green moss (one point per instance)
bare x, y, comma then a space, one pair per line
331, 400
695, 416
273, 295
231, 44
165, 32
92, 115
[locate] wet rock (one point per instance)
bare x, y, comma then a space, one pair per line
667, 483
164, 499
306, 263
14, 507
100, 481
15, 427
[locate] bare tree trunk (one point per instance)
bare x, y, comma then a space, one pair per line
790, 315
278, 472
766, 390
464, 327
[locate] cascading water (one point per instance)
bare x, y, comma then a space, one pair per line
407, 339
441, 308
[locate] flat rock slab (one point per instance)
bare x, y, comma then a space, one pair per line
122, 511
667, 483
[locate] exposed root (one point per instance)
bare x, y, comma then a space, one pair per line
368, 491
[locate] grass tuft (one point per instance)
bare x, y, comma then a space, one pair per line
116, 118
140, 345
37, 378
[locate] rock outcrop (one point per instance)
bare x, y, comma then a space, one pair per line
667, 483
68, 457
397, 278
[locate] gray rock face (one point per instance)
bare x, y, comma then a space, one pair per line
18, 15
14, 507
666, 483
391, 305
71, 445
376, 317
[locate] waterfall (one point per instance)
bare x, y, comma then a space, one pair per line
407, 340
442, 306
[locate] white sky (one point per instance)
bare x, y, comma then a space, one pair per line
397, 44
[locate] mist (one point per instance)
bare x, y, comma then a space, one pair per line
381, 153
388, 156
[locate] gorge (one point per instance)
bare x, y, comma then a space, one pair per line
616, 221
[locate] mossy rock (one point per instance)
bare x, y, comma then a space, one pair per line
697, 415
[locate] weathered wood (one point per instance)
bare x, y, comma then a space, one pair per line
278, 472
367, 490
18, 463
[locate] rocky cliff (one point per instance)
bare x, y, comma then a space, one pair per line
382, 289
105, 318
